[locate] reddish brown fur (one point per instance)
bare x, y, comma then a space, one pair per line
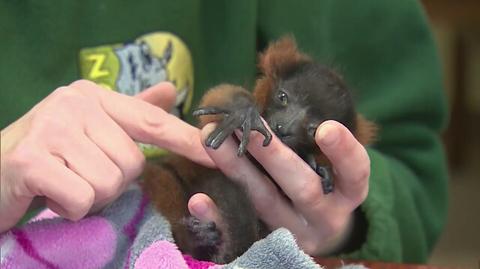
167, 196
366, 130
168, 193
280, 57
219, 96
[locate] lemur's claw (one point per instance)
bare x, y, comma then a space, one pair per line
324, 172
327, 181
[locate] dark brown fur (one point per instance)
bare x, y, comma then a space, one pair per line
171, 182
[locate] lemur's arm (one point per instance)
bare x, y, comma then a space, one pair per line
233, 108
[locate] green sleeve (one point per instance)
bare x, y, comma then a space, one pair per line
386, 53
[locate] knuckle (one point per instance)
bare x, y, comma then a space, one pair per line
151, 126
75, 94
109, 186
139, 163
61, 102
309, 195
360, 178
60, 91
83, 85
48, 125
134, 163
80, 207
64, 102
64, 95
117, 178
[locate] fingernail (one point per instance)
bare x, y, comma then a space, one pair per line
327, 135
257, 138
200, 208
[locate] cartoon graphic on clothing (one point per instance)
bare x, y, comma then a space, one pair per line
131, 67
139, 68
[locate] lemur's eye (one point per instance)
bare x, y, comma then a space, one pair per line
282, 96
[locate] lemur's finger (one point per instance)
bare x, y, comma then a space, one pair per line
218, 136
209, 111
246, 127
260, 126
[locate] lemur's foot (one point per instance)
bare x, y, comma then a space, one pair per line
206, 237
245, 118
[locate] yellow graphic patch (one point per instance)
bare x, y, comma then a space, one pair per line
130, 68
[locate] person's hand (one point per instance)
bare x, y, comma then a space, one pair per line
321, 223
76, 148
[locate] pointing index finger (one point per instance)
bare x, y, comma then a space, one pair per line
147, 123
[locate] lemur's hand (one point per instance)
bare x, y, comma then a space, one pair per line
241, 115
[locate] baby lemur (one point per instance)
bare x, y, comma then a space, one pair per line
294, 95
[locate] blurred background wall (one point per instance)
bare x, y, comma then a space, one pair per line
456, 25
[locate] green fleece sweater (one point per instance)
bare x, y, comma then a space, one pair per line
383, 48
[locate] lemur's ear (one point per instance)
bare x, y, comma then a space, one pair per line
366, 130
280, 57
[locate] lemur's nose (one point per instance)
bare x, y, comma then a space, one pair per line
280, 130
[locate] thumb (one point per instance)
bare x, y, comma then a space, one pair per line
162, 95
204, 208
